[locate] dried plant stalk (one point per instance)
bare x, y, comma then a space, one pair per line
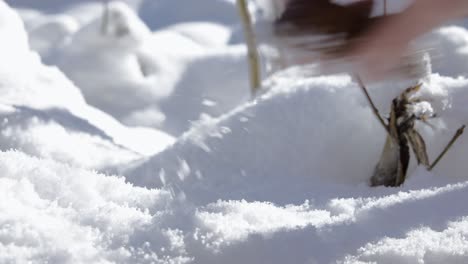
253, 56
393, 163
449, 145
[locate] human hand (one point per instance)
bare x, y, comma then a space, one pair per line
383, 46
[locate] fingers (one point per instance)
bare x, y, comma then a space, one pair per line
383, 46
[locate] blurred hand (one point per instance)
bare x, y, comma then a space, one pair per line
384, 45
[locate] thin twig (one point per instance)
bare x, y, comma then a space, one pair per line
449, 145
369, 99
252, 51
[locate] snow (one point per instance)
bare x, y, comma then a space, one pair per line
452, 41
89, 171
160, 14
155, 71
53, 213
310, 108
40, 101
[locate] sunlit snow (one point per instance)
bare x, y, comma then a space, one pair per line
137, 141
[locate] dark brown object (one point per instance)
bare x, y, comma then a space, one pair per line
393, 164
345, 24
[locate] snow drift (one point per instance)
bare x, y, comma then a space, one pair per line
53, 213
324, 131
156, 72
39, 103
281, 179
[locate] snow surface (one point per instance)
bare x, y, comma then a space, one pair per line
279, 179
155, 71
39, 102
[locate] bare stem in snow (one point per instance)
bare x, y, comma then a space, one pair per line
369, 99
401, 134
449, 145
252, 51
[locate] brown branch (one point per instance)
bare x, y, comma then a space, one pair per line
251, 43
449, 145
373, 107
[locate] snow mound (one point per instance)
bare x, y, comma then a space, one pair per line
281, 179
198, 92
154, 71
56, 213
48, 33
35, 85
75, 141
52, 213
39, 103
324, 132
422, 245
388, 226
452, 49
